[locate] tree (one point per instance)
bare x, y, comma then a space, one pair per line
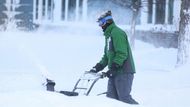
184, 34
3, 16
135, 6
24, 15
10, 22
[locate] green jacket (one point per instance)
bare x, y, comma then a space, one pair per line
117, 49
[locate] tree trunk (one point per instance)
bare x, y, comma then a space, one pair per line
133, 25
136, 4
184, 34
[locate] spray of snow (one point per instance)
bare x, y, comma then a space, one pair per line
25, 49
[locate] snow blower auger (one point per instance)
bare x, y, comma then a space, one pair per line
83, 86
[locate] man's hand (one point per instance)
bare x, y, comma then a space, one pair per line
113, 70
93, 70
98, 67
110, 73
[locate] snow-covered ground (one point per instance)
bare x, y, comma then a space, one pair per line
66, 53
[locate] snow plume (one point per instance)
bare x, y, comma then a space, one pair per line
19, 47
25, 49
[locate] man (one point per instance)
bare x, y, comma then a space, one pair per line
118, 57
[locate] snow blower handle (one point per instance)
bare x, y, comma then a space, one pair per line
100, 75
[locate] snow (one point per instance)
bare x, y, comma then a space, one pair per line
66, 53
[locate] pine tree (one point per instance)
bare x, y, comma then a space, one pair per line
25, 15
184, 34
10, 21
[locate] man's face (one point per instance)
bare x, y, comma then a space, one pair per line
102, 21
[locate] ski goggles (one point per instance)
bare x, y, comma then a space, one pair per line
104, 20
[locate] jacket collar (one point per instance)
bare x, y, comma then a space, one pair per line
108, 30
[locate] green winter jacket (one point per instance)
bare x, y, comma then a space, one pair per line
117, 49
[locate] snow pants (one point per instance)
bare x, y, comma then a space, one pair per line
119, 87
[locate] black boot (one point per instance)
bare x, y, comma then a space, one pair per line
132, 101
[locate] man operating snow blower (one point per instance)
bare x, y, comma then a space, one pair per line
118, 57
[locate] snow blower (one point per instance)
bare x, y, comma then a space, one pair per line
83, 86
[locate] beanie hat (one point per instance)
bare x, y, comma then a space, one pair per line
104, 18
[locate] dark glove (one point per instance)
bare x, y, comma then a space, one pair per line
113, 70
110, 73
98, 67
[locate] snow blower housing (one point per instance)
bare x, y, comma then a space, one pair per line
50, 85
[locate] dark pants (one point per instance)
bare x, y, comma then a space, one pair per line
119, 87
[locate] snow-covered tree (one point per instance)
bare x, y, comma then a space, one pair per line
10, 22
2, 14
184, 34
25, 15
135, 6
